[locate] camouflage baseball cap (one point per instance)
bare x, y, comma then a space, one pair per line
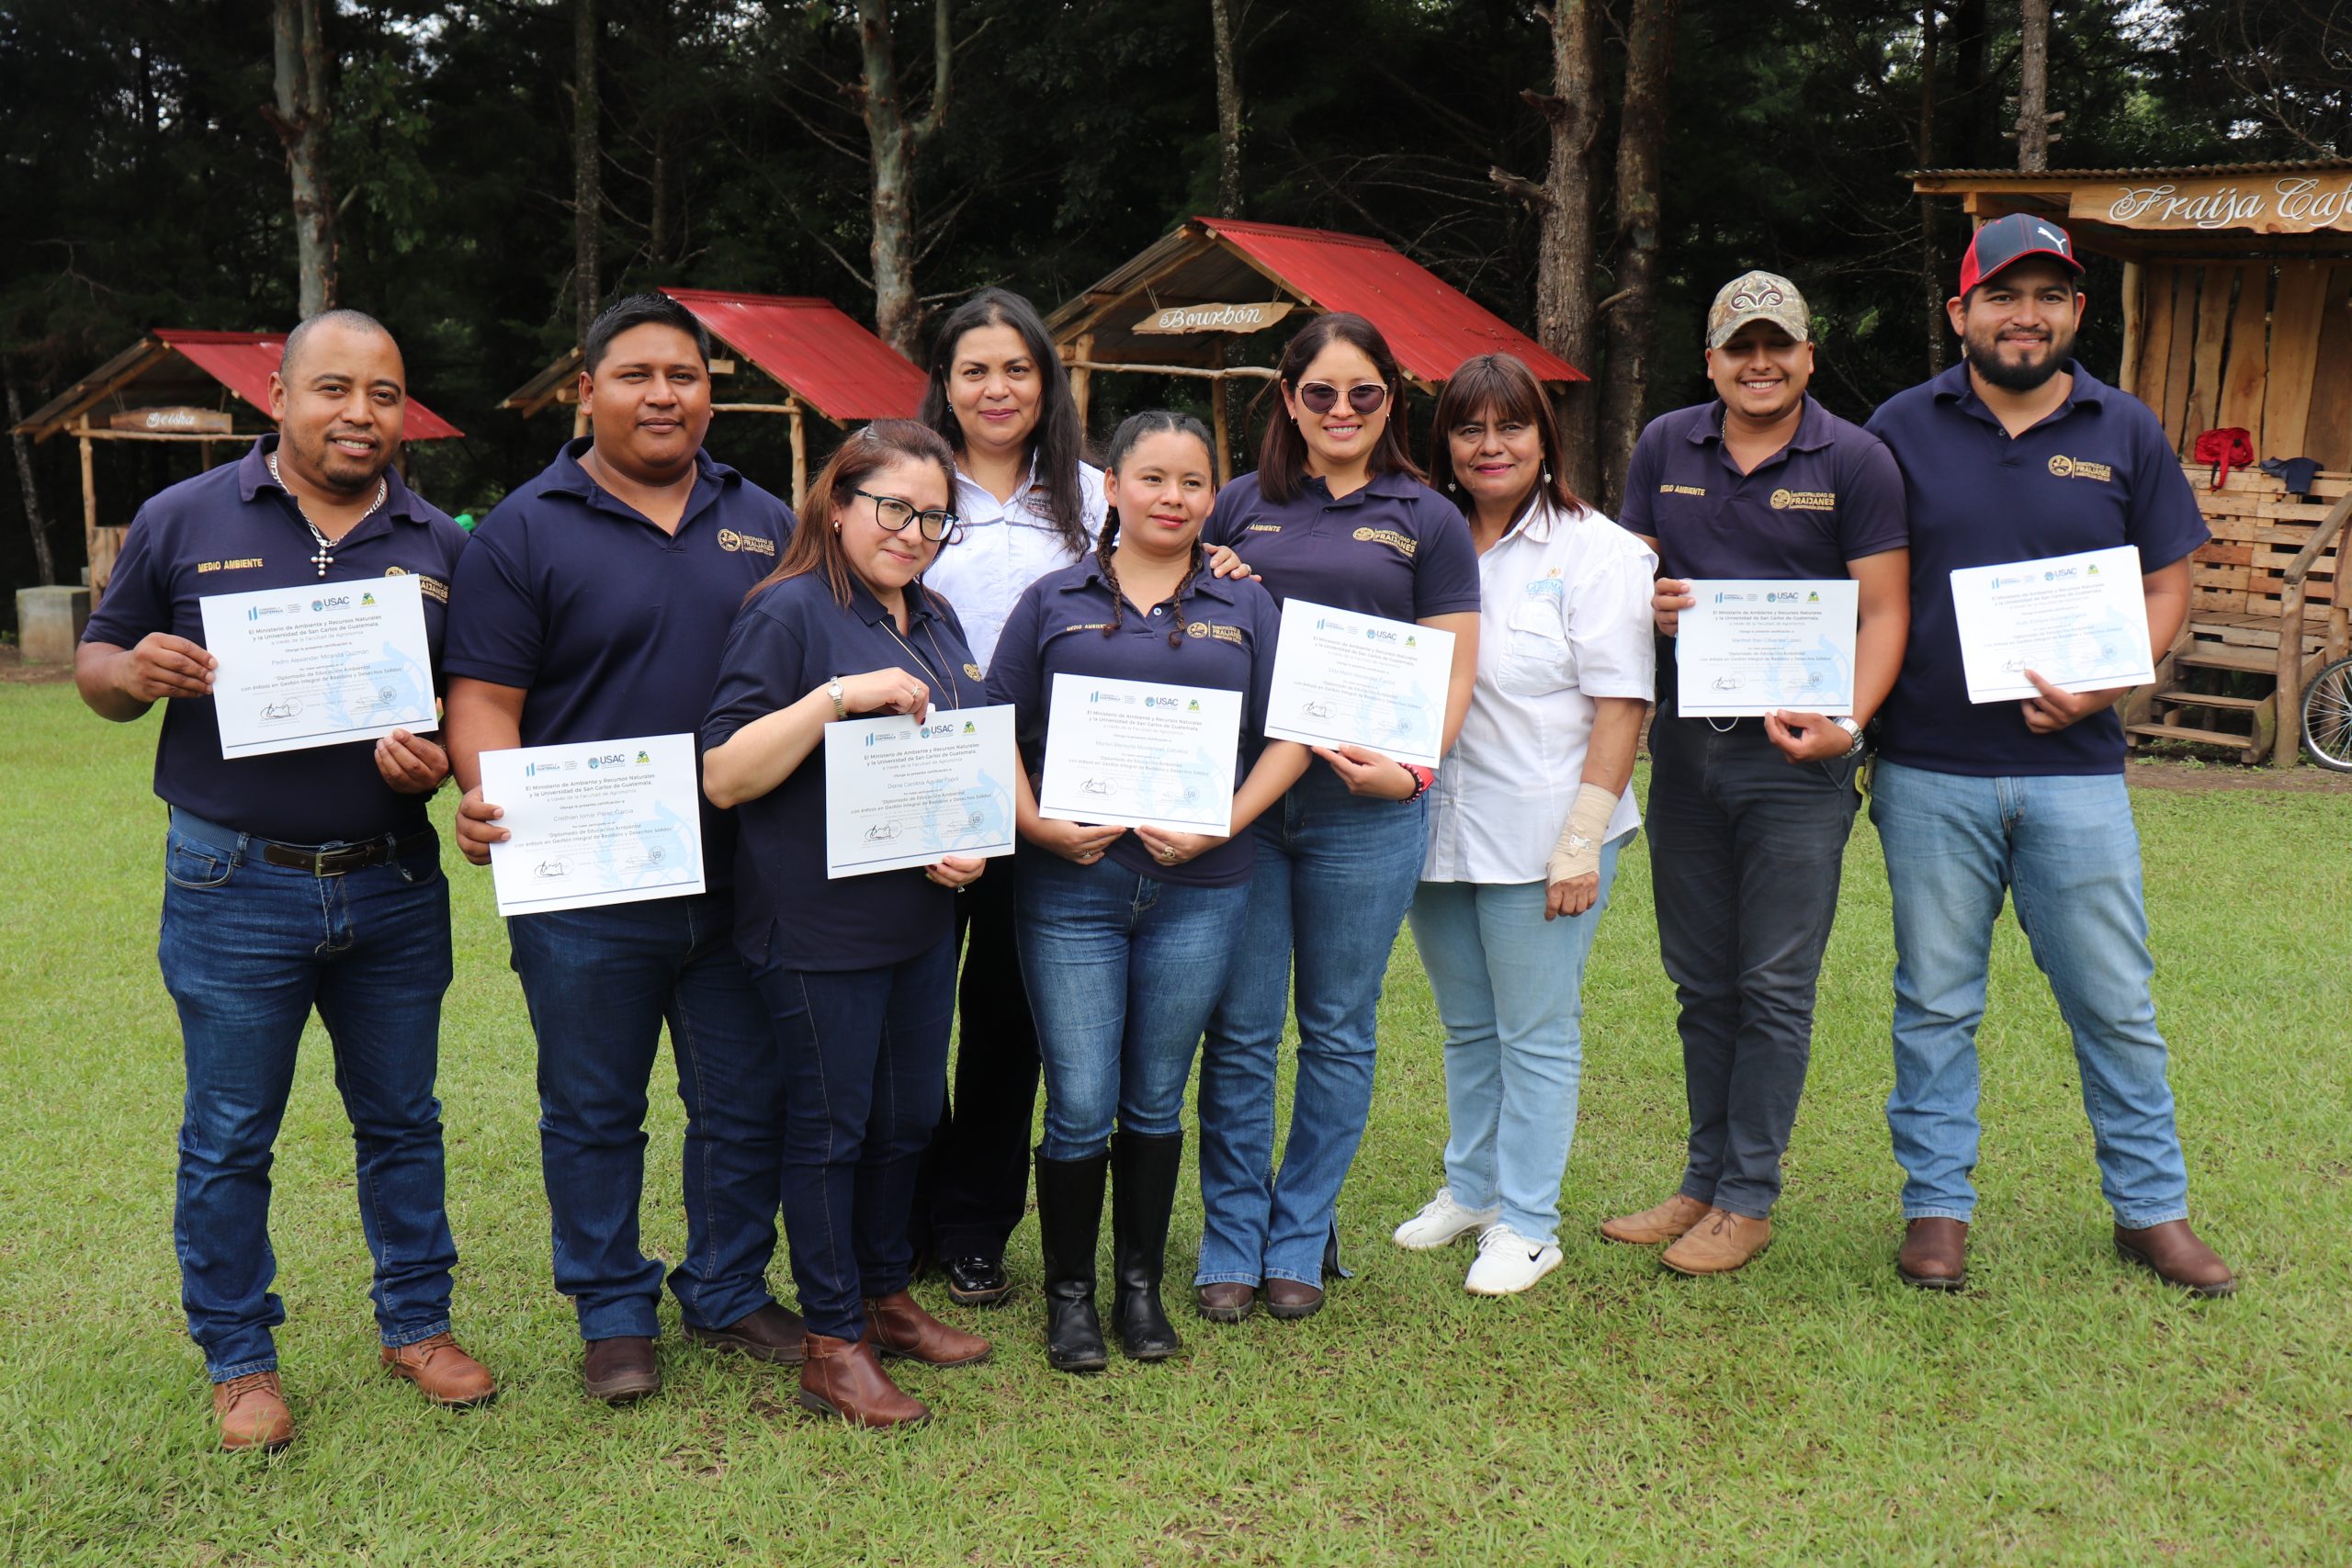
1758, 296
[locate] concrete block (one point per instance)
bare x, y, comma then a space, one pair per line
49, 623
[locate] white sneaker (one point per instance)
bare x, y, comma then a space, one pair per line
1508, 1262
1440, 1223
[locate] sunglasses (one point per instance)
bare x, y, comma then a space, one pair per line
895, 514
1321, 396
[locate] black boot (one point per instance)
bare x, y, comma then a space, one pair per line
1069, 1219
1143, 1190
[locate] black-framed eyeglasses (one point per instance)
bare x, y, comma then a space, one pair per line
1321, 396
938, 526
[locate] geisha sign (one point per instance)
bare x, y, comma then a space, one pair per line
2290, 204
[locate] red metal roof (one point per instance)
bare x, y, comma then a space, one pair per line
810, 346
1431, 326
243, 362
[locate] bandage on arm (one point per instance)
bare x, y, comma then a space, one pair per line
1577, 853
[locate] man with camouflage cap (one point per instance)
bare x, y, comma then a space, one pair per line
1748, 817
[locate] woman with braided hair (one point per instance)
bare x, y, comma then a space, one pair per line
1126, 935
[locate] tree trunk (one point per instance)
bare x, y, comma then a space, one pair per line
1228, 115
1563, 232
302, 117
2033, 86
895, 143
1649, 65
587, 174
1931, 261
35, 522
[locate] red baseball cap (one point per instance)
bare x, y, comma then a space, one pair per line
2008, 240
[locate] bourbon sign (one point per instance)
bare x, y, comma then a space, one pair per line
1213, 318
2289, 204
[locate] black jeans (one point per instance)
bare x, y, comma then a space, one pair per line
1746, 849
974, 1185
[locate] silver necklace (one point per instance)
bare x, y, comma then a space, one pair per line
941, 670
325, 558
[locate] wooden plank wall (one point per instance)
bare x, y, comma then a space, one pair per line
2257, 528
2265, 346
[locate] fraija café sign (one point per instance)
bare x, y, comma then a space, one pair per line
2289, 204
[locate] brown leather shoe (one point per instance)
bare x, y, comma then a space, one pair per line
440, 1367
1663, 1222
844, 1378
2174, 1254
895, 1325
252, 1414
620, 1370
1718, 1244
1290, 1299
1934, 1255
765, 1333
1225, 1301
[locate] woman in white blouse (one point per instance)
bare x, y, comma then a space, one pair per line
1526, 818
1029, 503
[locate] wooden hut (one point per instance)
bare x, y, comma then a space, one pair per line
178, 386
2237, 313
1176, 309
808, 355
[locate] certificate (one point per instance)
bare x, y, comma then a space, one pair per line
901, 794
1751, 648
2080, 622
318, 664
1139, 754
595, 822
1345, 678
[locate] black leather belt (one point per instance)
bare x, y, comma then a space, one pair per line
343, 857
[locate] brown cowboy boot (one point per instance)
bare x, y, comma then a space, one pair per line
1934, 1255
442, 1370
252, 1412
844, 1378
2172, 1252
897, 1325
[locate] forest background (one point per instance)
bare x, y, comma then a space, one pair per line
481, 174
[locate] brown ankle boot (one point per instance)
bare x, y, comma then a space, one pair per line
440, 1367
252, 1414
1934, 1254
1649, 1227
897, 1325
1718, 1244
844, 1378
2172, 1252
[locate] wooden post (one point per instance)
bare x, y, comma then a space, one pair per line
90, 518
1081, 349
2135, 327
800, 455
1216, 413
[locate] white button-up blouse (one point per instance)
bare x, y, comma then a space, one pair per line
1564, 618
1007, 545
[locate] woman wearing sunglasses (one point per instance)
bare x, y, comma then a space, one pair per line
858, 974
1126, 934
1335, 514
1028, 505
1527, 819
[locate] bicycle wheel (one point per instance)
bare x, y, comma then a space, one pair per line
2327, 717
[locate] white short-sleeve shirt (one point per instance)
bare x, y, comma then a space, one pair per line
1007, 545
1563, 617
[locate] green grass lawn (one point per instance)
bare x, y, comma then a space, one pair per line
1808, 1410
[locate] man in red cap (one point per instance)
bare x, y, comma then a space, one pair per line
2013, 455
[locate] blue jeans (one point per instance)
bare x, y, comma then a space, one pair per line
1335, 873
2066, 850
1122, 972
865, 1070
247, 950
1510, 988
600, 984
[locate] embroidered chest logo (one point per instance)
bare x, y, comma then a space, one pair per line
2065, 467
239, 564
1265, 527
728, 540
972, 671
1683, 489
1402, 544
1088, 627
1211, 628
1804, 500
434, 588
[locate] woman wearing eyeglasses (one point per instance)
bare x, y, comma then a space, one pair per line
858, 974
1335, 514
1028, 505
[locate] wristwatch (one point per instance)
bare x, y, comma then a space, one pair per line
833, 690
1854, 729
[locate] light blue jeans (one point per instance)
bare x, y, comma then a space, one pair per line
1510, 988
2065, 848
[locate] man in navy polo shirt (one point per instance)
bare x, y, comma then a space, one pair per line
592, 605
298, 879
1749, 818
2013, 455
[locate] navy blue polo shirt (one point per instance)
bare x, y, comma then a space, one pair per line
790, 640
612, 626
1394, 547
1061, 625
1830, 496
232, 530
2098, 473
